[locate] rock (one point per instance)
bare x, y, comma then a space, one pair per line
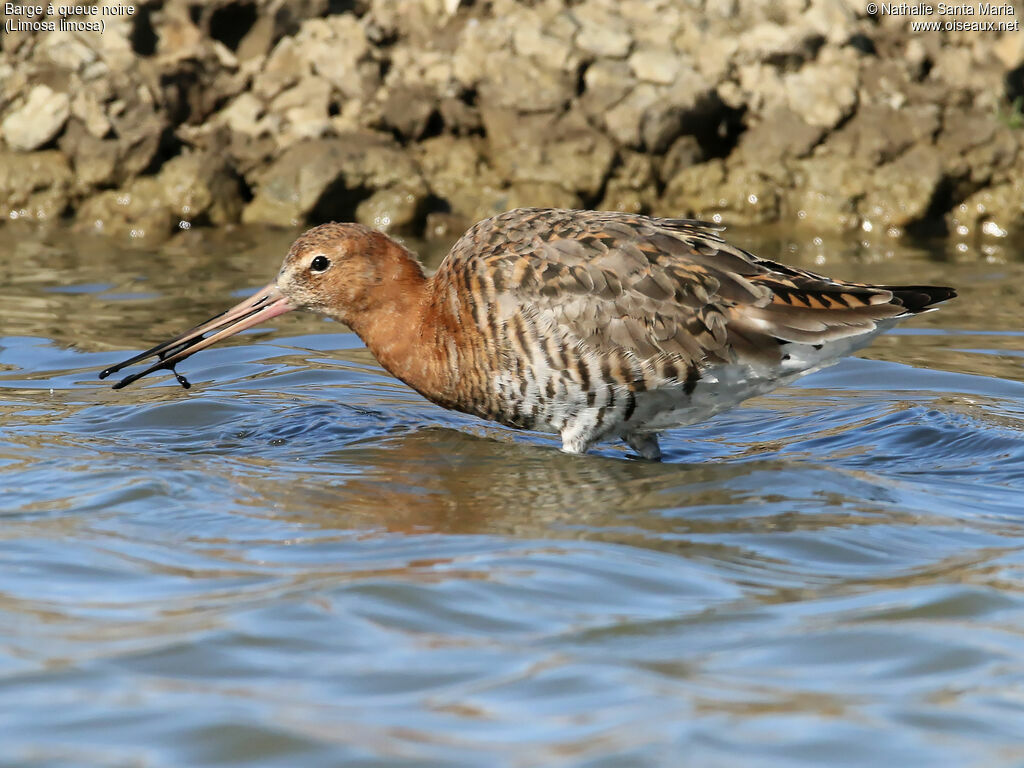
302, 111
252, 157
34, 185
336, 49
13, 81
259, 40
551, 149
38, 120
325, 179
475, 51
192, 89
993, 213
485, 60
602, 32
274, 22
1010, 50
429, 68
137, 123
632, 186
780, 135
246, 115
824, 92
692, 189
790, 45
659, 66
177, 35
528, 194
66, 51
531, 37
878, 133
525, 85
895, 83
803, 109
656, 25
652, 116
684, 152
961, 68
738, 196
445, 227
137, 211
975, 148
459, 117
826, 190
87, 108
407, 110
716, 61
642, 106
963, 130
606, 83
994, 161
835, 20
281, 70
456, 172
393, 209
94, 160
415, 20
902, 191
201, 187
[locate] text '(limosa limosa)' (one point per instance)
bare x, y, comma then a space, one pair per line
592, 325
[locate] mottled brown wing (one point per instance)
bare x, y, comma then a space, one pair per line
670, 288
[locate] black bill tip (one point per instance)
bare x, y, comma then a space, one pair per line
152, 369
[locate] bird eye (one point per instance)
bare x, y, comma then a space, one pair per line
319, 264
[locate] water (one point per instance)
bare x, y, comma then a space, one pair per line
301, 562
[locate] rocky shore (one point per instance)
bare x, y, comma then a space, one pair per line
422, 116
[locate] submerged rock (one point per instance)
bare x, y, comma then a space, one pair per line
201, 187
34, 185
990, 214
138, 210
392, 209
828, 189
720, 193
902, 191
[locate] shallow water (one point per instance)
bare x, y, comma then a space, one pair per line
301, 562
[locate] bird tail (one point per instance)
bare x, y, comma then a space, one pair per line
919, 298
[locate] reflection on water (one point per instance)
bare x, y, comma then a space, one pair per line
300, 562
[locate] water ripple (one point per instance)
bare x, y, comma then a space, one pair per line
301, 562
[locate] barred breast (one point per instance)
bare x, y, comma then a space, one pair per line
597, 325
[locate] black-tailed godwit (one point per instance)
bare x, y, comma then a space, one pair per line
593, 325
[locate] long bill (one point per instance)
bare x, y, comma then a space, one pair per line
262, 305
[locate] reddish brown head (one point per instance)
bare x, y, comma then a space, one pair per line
345, 271
348, 272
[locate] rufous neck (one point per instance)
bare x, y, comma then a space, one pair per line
392, 323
